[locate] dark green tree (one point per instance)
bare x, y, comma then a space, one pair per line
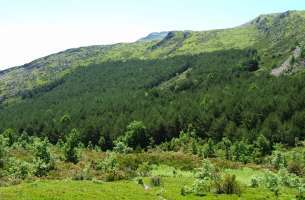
136, 135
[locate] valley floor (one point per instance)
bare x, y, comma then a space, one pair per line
90, 190
170, 189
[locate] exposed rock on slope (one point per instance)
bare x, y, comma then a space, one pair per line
289, 65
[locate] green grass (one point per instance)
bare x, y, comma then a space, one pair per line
168, 171
89, 190
244, 174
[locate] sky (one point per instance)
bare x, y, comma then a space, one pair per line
30, 29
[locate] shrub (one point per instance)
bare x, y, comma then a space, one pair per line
110, 167
207, 170
121, 147
202, 186
140, 181
271, 180
10, 135
19, 169
70, 147
242, 152
3, 151
254, 182
41, 168
295, 168
136, 135
110, 163
209, 149
301, 193
115, 176
83, 175
185, 190
43, 162
263, 145
155, 181
226, 144
228, 185
144, 169
272, 183
288, 180
209, 178
279, 160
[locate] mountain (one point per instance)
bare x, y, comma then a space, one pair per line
270, 34
154, 36
218, 81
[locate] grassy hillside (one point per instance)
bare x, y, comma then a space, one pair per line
176, 115
272, 35
216, 81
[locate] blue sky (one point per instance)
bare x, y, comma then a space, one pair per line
30, 29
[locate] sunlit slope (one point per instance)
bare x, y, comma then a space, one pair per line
272, 35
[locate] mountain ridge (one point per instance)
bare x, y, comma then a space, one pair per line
254, 34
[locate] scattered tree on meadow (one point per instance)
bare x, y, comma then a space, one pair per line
136, 135
71, 145
42, 158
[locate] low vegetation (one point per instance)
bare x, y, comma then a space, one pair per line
153, 172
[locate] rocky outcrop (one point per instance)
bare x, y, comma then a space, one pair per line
287, 65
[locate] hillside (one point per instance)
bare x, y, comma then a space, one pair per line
272, 35
103, 88
175, 115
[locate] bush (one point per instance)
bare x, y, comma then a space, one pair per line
155, 181
19, 169
41, 168
136, 135
43, 162
271, 180
70, 147
115, 176
254, 182
83, 175
207, 170
185, 190
121, 147
110, 163
242, 152
140, 181
301, 193
272, 183
202, 186
110, 167
228, 185
3, 151
144, 169
295, 168
11, 136
279, 160
209, 149
288, 180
